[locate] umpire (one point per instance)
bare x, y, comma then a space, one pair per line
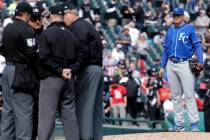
19, 51
37, 25
56, 51
89, 97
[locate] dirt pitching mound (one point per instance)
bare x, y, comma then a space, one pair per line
162, 136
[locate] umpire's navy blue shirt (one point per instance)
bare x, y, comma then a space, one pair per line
181, 42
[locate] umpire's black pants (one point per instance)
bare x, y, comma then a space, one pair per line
89, 99
56, 93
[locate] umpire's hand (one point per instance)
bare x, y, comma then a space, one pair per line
66, 74
161, 72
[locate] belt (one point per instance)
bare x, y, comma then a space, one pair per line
13, 63
10, 63
177, 60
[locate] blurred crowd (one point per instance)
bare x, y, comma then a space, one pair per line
132, 32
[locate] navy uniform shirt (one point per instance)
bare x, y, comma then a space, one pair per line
90, 45
57, 50
19, 43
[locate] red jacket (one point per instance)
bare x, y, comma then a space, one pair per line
118, 94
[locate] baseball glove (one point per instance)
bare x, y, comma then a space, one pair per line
193, 64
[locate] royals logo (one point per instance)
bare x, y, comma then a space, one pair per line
183, 37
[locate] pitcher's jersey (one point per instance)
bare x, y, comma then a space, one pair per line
180, 41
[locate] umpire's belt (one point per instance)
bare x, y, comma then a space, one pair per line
177, 60
13, 63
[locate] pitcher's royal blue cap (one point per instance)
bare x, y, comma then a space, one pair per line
178, 11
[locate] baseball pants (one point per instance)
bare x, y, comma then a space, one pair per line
17, 113
57, 94
181, 81
89, 103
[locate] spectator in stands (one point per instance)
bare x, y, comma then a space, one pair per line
111, 13
159, 18
162, 13
86, 10
118, 100
142, 45
142, 66
13, 5
206, 38
139, 15
133, 32
132, 86
106, 96
190, 7
122, 68
135, 72
95, 16
164, 93
144, 80
168, 20
133, 55
159, 38
124, 40
127, 12
141, 105
156, 64
149, 10
153, 103
118, 54
202, 4
109, 64
202, 22
8, 19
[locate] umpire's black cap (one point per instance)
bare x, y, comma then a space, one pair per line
22, 8
68, 6
57, 10
36, 14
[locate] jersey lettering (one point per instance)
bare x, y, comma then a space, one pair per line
31, 42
